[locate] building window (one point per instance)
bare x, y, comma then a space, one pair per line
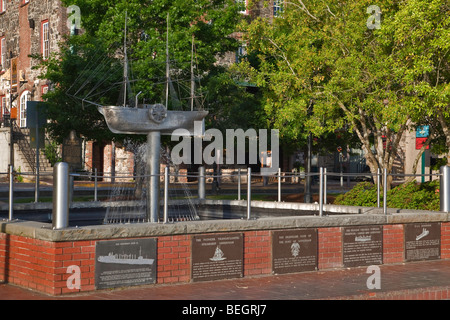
241, 53
44, 90
2, 53
25, 1
2, 106
23, 108
242, 5
2, 6
277, 7
45, 39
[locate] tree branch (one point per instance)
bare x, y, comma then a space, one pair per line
303, 8
283, 56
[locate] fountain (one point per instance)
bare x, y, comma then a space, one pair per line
152, 120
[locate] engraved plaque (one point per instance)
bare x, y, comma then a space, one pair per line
217, 256
422, 241
72, 151
125, 263
362, 246
294, 251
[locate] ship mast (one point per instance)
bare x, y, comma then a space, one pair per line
192, 75
167, 63
125, 64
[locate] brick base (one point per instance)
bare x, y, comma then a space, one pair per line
44, 265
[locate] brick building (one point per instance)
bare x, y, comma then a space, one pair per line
27, 27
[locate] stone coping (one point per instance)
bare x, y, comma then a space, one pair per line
345, 216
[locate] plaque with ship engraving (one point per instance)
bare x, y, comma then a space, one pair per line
217, 256
294, 251
125, 263
362, 246
422, 241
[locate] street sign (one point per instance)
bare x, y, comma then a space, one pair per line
422, 131
420, 142
36, 115
36, 120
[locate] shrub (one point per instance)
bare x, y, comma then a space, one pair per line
413, 195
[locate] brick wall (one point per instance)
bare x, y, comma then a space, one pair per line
257, 253
174, 259
43, 265
445, 240
393, 244
330, 248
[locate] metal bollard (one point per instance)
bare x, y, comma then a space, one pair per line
321, 192
11, 193
444, 188
378, 186
249, 193
239, 184
385, 192
95, 185
61, 190
201, 183
279, 184
166, 194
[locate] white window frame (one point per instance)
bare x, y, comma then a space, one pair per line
45, 27
3, 105
241, 52
2, 6
243, 3
23, 108
277, 7
3, 53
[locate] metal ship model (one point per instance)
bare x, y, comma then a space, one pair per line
149, 117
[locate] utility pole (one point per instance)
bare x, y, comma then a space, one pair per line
11, 126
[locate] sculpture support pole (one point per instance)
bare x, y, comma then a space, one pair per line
153, 152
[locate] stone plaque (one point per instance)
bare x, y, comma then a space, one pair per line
294, 251
362, 246
422, 241
72, 151
125, 263
217, 256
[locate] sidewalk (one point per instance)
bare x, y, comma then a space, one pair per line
428, 280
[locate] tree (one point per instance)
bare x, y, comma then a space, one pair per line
89, 66
420, 33
326, 58
66, 112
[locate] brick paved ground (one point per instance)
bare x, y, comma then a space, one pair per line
418, 280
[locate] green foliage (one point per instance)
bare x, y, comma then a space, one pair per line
89, 66
323, 70
424, 196
51, 152
363, 194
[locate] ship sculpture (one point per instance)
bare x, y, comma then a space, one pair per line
152, 120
